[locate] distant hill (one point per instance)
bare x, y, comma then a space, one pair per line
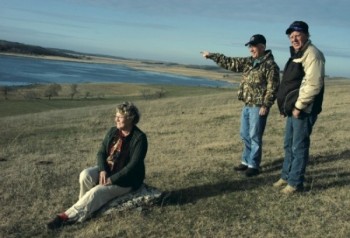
19, 48
33, 50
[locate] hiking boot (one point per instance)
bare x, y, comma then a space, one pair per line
60, 220
289, 190
250, 172
56, 223
241, 167
280, 183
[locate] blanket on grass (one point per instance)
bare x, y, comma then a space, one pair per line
145, 196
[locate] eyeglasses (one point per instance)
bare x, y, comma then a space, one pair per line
293, 36
119, 117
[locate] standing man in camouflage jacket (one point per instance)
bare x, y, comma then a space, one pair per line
257, 90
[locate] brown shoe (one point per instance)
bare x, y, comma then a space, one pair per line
280, 183
55, 223
289, 190
59, 221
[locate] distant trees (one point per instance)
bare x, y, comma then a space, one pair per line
41, 91
4, 91
20, 48
148, 94
30, 95
160, 93
68, 92
52, 90
87, 94
74, 90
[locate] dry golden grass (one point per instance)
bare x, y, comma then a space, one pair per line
193, 145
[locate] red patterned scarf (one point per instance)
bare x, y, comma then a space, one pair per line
118, 153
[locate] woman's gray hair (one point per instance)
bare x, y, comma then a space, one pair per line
129, 110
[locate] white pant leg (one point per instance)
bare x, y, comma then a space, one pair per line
93, 200
88, 179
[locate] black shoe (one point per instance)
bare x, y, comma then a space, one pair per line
241, 167
250, 172
56, 223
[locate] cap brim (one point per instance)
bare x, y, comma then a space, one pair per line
298, 29
289, 30
251, 43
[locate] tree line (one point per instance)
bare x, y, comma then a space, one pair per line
19, 48
51, 90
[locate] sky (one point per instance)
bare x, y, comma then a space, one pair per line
177, 31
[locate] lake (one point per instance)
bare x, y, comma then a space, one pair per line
23, 71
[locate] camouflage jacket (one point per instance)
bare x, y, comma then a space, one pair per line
259, 83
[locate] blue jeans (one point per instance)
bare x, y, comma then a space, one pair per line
252, 130
296, 148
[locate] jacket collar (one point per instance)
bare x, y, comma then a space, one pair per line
267, 54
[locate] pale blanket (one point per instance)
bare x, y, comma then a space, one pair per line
145, 196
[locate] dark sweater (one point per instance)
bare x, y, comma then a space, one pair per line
133, 173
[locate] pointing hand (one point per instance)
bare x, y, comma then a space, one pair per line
205, 54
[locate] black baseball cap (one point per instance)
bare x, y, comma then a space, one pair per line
256, 39
299, 26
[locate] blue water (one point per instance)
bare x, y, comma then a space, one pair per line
24, 71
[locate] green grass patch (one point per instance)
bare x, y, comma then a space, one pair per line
103, 94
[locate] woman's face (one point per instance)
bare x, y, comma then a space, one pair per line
122, 122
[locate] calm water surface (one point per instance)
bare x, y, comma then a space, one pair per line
23, 71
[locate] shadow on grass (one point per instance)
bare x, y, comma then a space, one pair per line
276, 165
326, 179
268, 176
273, 166
194, 193
329, 158
334, 175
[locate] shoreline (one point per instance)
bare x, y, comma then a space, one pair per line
152, 66
155, 66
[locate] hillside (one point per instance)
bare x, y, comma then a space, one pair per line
19, 48
193, 145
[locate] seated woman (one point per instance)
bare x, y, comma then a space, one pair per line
120, 168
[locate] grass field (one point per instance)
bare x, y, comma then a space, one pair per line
194, 143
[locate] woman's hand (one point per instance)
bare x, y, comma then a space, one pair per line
103, 178
108, 182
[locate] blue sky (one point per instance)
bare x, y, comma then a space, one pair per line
176, 31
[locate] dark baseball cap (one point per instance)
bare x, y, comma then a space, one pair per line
299, 26
256, 39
